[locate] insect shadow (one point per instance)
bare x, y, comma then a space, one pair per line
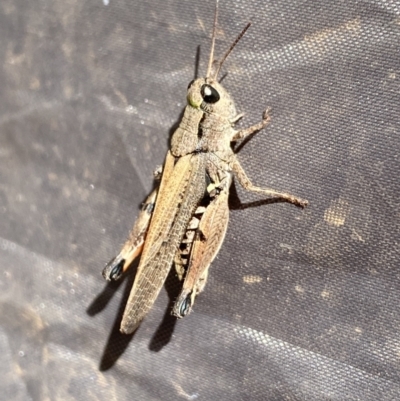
116, 342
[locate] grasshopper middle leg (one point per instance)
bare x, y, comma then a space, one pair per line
246, 184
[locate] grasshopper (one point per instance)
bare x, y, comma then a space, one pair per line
184, 220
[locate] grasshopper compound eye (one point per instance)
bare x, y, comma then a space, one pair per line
209, 94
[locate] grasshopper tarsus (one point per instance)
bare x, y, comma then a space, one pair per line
301, 202
182, 306
293, 199
267, 114
113, 270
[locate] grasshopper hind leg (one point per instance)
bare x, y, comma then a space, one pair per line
207, 242
134, 244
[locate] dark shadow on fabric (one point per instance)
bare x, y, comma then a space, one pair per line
242, 144
164, 332
223, 77
118, 342
102, 300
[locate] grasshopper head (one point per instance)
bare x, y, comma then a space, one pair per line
208, 95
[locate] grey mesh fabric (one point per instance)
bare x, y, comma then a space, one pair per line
300, 304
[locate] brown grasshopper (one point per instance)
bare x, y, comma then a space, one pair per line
184, 220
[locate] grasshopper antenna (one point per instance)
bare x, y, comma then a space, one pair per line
211, 59
230, 49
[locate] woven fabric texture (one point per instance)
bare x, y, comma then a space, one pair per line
300, 304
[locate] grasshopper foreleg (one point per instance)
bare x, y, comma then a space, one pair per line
254, 128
